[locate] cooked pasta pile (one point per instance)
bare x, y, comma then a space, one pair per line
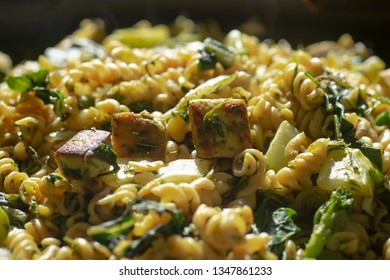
313, 182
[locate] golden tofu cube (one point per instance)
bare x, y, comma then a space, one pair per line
220, 127
138, 136
87, 154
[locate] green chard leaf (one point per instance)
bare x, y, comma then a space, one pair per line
140, 106
340, 129
273, 217
16, 216
110, 233
176, 225
325, 220
383, 118
20, 84
207, 61
213, 52
27, 82
37, 82
282, 225
86, 101
236, 185
106, 153
51, 96
267, 203
12, 200
15, 209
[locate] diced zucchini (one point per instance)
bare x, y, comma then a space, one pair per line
348, 167
142, 36
138, 136
88, 154
220, 127
275, 154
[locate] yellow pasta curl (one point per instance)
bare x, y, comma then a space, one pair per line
297, 174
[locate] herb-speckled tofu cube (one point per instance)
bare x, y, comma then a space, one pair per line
220, 127
88, 154
138, 136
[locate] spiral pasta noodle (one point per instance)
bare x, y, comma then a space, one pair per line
21, 244
303, 112
233, 223
299, 171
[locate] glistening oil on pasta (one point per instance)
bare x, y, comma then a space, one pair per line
165, 170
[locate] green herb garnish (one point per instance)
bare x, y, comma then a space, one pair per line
37, 82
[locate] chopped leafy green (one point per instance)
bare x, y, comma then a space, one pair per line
106, 153
15, 209
140, 106
236, 184
27, 82
176, 225
72, 172
267, 203
86, 101
51, 96
110, 233
16, 216
20, 84
282, 225
207, 61
33, 163
210, 113
12, 200
213, 52
325, 220
383, 118
307, 202
336, 99
212, 124
37, 82
202, 91
273, 217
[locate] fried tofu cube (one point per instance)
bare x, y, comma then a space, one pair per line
139, 136
87, 154
220, 127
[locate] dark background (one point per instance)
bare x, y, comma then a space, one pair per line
28, 27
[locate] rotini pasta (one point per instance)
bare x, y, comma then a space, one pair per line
300, 143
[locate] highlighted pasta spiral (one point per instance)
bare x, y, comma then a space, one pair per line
309, 95
22, 244
299, 171
222, 229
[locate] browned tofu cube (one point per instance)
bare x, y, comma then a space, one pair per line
138, 136
220, 127
86, 155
